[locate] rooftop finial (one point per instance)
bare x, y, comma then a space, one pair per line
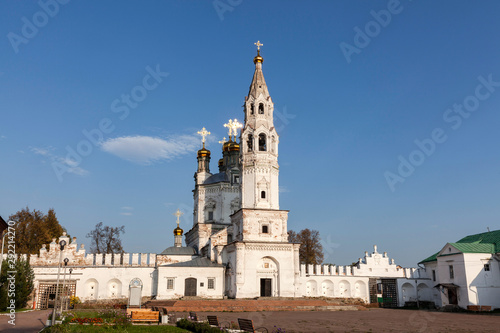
233, 126
258, 58
223, 141
204, 133
178, 213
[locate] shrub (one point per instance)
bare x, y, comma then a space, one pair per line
197, 327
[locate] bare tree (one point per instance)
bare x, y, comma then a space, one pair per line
311, 250
106, 239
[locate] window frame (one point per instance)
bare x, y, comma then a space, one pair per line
170, 280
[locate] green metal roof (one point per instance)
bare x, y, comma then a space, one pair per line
431, 258
474, 247
486, 242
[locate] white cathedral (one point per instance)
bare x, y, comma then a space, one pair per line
238, 246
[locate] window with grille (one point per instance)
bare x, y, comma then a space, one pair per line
211, 283
170, 283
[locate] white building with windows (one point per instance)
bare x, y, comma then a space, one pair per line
467, 273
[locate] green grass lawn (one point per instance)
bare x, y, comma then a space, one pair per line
128, 329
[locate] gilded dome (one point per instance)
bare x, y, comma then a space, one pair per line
178, 231
203, 152
258, 58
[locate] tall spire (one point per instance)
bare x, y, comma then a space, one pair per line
258, 84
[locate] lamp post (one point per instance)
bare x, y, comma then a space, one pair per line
62, 244
66, 260
70, 271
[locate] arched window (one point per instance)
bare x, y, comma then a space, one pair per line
262, 194
261, 108
250, 142
262, 142
252, 109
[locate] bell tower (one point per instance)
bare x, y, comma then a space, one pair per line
259, 142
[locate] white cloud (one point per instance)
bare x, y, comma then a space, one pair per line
146, 150
48, 154
127, 210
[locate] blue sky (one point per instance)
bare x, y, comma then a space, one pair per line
349, 107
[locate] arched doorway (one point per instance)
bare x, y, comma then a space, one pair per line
190, 287
268, 277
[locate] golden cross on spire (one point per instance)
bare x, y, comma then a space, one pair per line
230, 126
259, 44
178, 213
223, 141
233, 126
204, 133
236, 125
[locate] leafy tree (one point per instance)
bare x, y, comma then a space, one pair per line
106, 239
24, 278
311, 250
34, 228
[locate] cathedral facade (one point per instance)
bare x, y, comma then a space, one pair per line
238, 245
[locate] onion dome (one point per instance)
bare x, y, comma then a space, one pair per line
258, 58
178, 231
234, 146
203, 152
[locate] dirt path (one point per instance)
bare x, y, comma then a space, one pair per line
373, 320
26, 322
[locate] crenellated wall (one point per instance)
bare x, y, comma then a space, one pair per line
78, 257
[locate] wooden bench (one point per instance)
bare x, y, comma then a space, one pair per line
130, 310
214, 321
246, 325
145, 316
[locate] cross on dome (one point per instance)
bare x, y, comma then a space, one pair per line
178, 213
204, 133
223, 141
233, 126
259, 44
